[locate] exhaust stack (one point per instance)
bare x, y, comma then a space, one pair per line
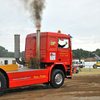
17, 49
38, 46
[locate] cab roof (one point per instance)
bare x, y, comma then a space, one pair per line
53, 34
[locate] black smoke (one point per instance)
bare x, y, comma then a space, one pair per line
35, 9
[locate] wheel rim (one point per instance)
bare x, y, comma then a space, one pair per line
58, 78
95, 66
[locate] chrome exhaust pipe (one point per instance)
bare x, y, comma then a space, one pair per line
38, 48
17, 45
17, 49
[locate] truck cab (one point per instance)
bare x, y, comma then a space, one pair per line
55, 49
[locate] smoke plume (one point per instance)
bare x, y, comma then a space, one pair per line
35, 9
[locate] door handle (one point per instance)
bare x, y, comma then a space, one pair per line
59, 59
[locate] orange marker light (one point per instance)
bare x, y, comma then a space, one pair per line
59, 31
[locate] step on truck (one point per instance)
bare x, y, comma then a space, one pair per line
48, 59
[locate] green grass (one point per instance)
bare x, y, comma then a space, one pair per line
87, 71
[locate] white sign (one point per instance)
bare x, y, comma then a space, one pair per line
52, 56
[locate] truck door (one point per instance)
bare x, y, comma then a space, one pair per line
63, 50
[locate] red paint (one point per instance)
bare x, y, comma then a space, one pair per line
50, 54
48, 44
17, 79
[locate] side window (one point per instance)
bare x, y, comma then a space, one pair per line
63, 43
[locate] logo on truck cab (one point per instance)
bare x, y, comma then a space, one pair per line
52, 43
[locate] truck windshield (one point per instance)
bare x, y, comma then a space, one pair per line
63, 43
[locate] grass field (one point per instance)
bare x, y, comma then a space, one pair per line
88, 71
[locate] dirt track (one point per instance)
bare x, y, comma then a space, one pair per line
80, 87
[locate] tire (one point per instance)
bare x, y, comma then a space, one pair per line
95, 66
57, 78
2, 83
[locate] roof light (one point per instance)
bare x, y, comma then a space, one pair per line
59, 31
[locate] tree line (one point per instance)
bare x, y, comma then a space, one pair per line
5, 53
83, 54
77, 53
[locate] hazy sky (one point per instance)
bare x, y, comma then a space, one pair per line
79, 18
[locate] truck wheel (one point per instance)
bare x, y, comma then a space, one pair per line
95, 66
2, 83
57, 78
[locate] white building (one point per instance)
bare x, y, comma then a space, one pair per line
8, 60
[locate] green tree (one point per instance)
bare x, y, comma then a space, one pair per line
3, 52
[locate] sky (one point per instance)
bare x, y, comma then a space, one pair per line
79, 18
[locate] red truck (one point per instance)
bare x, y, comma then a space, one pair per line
48, 59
